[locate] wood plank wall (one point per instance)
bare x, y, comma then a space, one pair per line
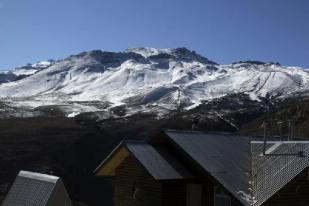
134, 186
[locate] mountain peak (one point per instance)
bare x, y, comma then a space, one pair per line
179, 53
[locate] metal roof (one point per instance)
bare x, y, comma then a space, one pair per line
273, 171
225, 157
31, 189
238, 163
161, 168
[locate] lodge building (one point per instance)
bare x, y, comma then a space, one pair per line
203, 169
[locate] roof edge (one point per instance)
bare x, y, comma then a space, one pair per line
38, 176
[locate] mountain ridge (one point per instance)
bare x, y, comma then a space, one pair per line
148, 80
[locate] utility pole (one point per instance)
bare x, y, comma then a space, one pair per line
280, 129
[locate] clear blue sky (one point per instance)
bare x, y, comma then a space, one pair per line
222, 30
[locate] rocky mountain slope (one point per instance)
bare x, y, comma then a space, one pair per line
145, 80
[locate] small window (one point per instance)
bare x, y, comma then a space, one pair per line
221, 198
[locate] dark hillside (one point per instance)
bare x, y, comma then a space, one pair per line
54, 145
294, 112
73, 147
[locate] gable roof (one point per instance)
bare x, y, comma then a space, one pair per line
225, 157
160, 166
31, 188
238, 163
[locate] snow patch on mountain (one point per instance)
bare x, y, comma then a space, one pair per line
147, 52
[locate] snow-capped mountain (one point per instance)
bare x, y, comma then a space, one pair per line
24, 71
146, 79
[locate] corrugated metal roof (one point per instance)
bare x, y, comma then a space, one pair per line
34, 189
272, 172
238, 162
161, 168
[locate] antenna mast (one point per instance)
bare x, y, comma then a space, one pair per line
264, 125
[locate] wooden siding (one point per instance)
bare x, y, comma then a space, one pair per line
174, 194
134, 186
296, 193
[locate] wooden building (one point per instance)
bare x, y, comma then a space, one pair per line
199, 169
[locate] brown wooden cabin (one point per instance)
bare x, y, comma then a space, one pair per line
201, 169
